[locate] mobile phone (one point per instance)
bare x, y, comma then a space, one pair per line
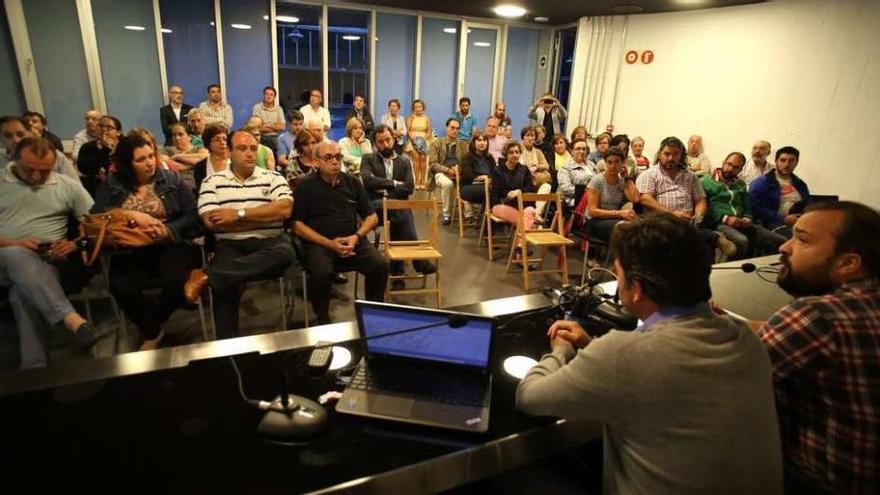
548, 101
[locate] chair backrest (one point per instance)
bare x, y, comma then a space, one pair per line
487, 190
556, 222
412, 204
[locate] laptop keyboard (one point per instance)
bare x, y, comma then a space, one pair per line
445, 388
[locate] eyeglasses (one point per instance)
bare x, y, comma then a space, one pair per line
218, 139
327, 158
110, 127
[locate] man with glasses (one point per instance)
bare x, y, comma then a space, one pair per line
13, 130
314, 110
333, 216
175, 111
246, 207
90, 133
215, 110
443, 159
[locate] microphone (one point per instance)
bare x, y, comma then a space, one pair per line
745, 267
292, 417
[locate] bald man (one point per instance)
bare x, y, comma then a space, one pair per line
758, 165
175, 111
92, 132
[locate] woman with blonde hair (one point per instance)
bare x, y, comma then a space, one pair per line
354, 146
418, 126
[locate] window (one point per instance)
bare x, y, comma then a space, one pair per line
247, 55
299, 53
439, 67
519, 74
479, 74
566, 39
11, 94
395, 56
348, 63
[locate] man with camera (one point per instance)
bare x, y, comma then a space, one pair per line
548, 112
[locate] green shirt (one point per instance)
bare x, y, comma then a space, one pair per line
40, 212
726, 201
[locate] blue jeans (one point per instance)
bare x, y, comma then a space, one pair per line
36, 297
753, 240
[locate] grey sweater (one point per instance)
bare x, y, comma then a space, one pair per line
687, 406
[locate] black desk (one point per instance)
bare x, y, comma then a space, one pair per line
747, 294
172, 419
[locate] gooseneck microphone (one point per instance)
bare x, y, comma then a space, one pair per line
745, 267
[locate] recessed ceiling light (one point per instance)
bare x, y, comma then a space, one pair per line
627, 9
542, 19
450, 30
509, 11
351, 37
240, 26
167, 31
482, 44
287, 18
135, 28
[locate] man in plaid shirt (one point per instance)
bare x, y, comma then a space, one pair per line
825, 351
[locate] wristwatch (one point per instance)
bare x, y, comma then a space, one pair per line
241, 213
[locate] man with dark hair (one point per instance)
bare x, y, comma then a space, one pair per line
329, 207
731, 212
825, 350
35, 206
15, 130
500, 113
360, 110
246, 207
779, 196
443, 160
465, 119
286, 151
175, 111
40, 128
214, 109
670, 187
272, 116
386, 174
685, 399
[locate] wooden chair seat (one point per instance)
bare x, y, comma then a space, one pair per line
547, 238
409, 253
415, 250
542, 238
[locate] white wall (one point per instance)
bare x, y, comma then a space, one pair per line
795, 72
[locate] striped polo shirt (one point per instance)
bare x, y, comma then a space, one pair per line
224, 190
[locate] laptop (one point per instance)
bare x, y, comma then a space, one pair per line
439, 376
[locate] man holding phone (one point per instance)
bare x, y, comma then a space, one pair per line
547, 111
333, 216
35, 205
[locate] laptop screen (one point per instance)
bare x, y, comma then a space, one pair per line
469, 344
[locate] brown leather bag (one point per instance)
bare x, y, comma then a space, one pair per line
112, 229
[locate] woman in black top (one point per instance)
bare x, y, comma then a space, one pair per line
216, 139
93, 160
509, 180
160, 203
476, 165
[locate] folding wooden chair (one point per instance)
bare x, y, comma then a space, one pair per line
487, 224
417, 250
540, 238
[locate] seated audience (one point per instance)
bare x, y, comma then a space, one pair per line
685, 400
214, 109
304, 162
500, 113
272, 121
183, 151
476, 167
697, 161
418, 128
579, 133
314, 111
534, 159
386, 174
670, 187
92, 132
245, 207
40, 128
824, 350
354, 146
316, 129
642, 161
195, 121
360, 111
548, 112
14, 130
396, 123
444, 157
465, 118
218, 155
779, 196
93, 161
35, 255
607, 192
265, 156
731, 211
163, 161
758, 165
629, 170
329, 206
286, 151
577, 172
496, 140
603, 142
510, 179
561, 155
159, 202
175, 112
546, 147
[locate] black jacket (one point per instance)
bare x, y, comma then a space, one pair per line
377, 182
167, 117
369, 125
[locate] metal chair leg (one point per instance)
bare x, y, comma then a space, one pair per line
281, 283
305, 298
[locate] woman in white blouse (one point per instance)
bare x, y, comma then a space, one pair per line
353, 146
396, 123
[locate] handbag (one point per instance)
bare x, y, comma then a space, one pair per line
112, 229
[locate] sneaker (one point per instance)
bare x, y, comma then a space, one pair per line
424, 267
726, 246
340, 279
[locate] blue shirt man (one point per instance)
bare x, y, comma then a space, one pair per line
465, 119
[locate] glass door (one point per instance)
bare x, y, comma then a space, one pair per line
480, 52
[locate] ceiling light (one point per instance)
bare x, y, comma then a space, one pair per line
287, 18
482, 44
167, 31
351, 37
135, 28
542, 19
509, 11
450, 30
240, 26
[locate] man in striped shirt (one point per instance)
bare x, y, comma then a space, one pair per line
246, 207
825, 351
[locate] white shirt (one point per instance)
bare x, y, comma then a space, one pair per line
751, 171
321, 114
176, 111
